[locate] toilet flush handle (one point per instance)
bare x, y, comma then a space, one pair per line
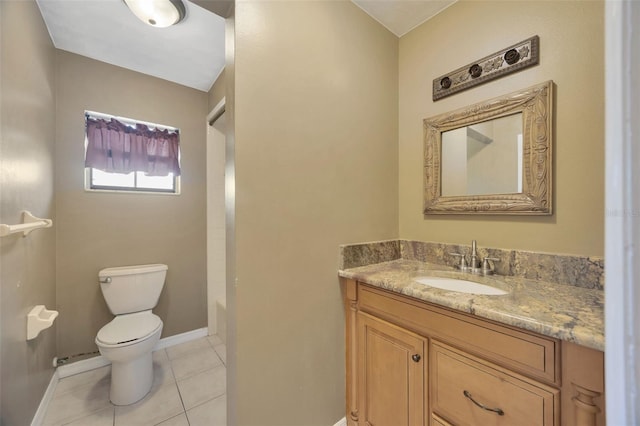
106, 280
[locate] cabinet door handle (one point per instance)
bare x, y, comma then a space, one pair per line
415, 357
484, 407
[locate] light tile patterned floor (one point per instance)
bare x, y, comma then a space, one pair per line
189, 389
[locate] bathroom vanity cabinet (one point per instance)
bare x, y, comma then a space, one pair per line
410, 362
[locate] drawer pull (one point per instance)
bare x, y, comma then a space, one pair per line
484, 407
416, 357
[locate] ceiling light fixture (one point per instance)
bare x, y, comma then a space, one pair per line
157, 13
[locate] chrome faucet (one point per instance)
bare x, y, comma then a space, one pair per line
474, 266
487, 269
462, 265
475, 262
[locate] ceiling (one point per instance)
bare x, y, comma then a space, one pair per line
190, 53
401, 16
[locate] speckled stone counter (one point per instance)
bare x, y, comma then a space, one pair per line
566, 312
579, 271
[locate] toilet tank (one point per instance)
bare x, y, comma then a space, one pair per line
128, 289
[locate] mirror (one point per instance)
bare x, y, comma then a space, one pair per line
485, 158
493, 157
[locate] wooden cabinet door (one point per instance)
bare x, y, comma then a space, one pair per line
391, 374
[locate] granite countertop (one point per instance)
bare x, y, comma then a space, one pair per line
566, 312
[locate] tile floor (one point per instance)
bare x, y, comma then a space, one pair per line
189, 389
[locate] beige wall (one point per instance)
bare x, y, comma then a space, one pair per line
316, 166
27, 264
571, 54
98, 230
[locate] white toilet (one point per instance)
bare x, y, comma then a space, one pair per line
128, 340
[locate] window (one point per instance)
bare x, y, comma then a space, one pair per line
134, 181
128, 155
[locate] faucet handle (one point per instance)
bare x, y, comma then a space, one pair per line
463, 266
486, 265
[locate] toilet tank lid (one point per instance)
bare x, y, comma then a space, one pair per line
132, 270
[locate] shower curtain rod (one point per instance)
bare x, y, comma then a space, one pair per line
217, 111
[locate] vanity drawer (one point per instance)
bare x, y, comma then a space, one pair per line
531, 354
522, 401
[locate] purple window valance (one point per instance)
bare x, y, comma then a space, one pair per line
114, 147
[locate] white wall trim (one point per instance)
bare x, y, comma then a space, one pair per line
341, 422
622, 214
82, 366
38, 418
185, 337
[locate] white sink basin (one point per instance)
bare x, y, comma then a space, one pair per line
461, 286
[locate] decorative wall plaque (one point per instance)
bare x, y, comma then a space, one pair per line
513, 58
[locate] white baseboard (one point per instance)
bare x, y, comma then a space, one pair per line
38, 418
341, 422
82, 366
185, 337
100, 361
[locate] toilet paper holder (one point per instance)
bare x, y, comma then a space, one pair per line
39, 319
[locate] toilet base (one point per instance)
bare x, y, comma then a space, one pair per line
131, 381
131, 365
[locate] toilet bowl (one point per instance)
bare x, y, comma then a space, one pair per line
128, 340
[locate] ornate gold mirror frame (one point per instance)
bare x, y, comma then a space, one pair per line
536, 106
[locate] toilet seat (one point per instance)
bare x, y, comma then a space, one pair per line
129, 329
